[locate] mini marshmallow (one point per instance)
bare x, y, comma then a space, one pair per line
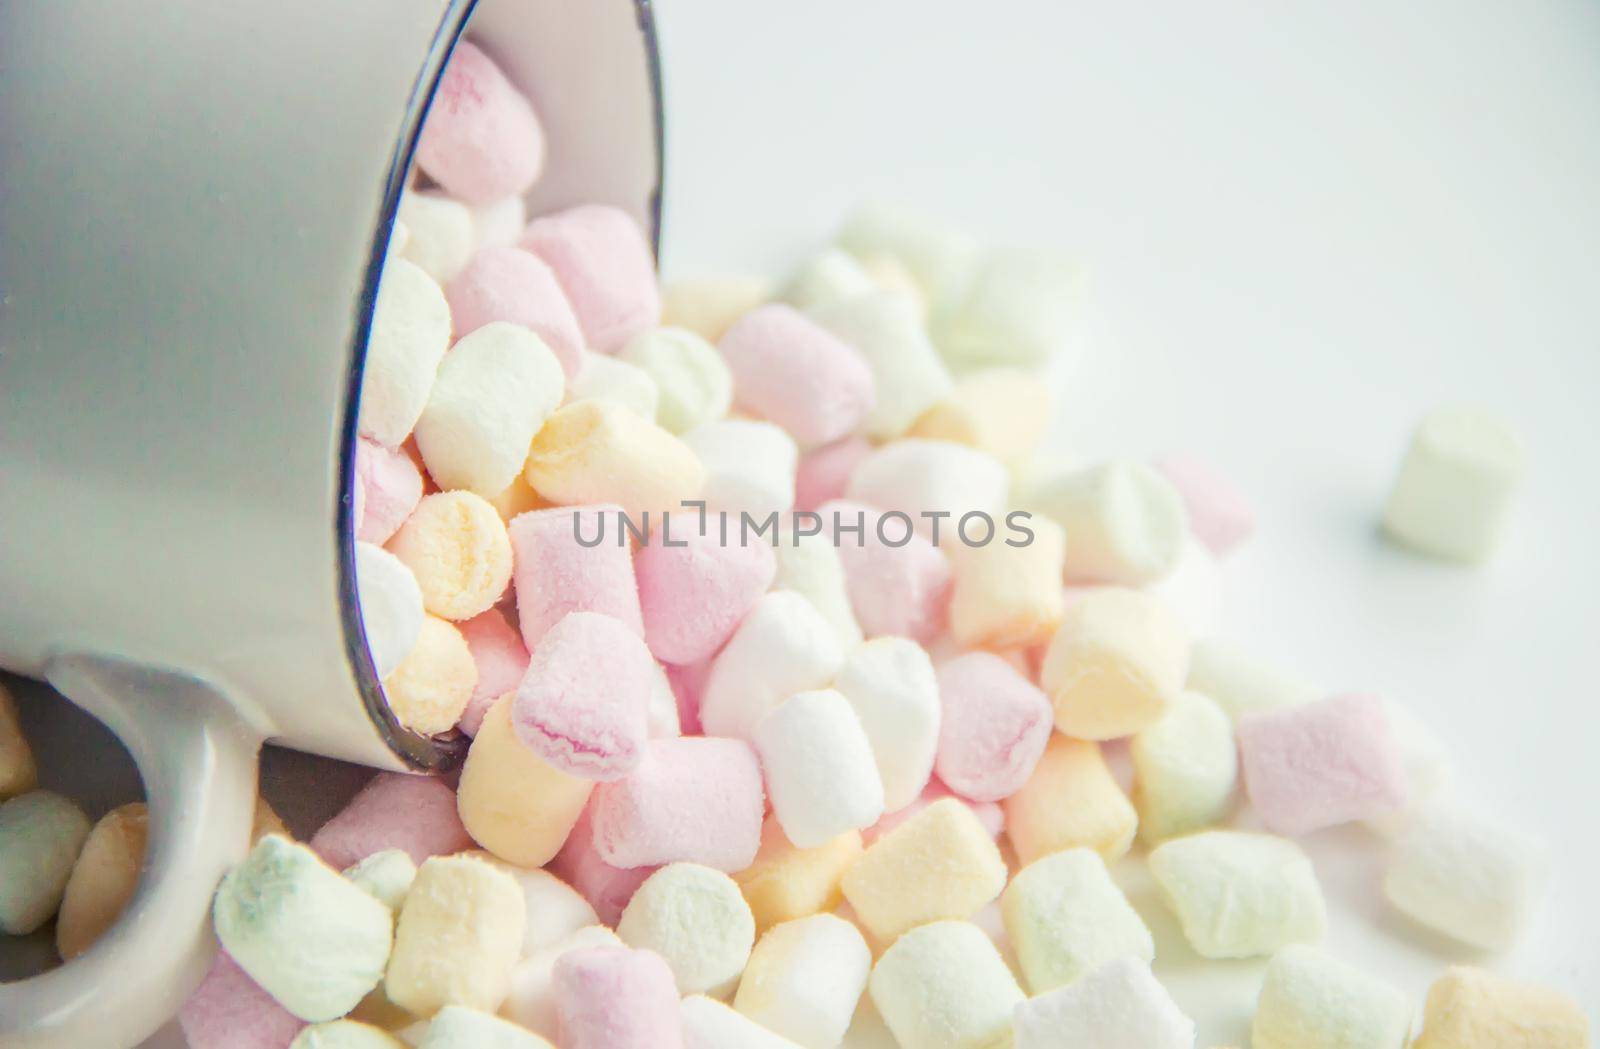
890, 274
1240, 895
698, 922
41, 835
1241, 682
940, 863
518, 498
1310, 1000
941, 259
899, 582
18, 772
498, 223
788, 369
1185, 768
1193, 590
1316, 765
385, 875
820, 771
809, 565
1119, 1006
416, 814
494, 390
1116, 665
513, 802
439, 234
920, 478
989, 814
103, 879
708, 1024
431, 686
1469, 1008
600, 452
1455, 488
399, 237
607, 889
513, 286
603, 375
828, 276
804, 979
1219, 514
692, 799
391, 606
824, 473
708, 306
1429, 774
231, 1011
786, 882
604, 265
1003, 412
1065, 918
456, 938
1009, 596
693, 384
456, 546
784, 646
531, 1002
1022, 309
945, 986
616, 998
993, 728
310, 938
575, 559
907, 375
1125, 522
456, 1027
410, 332
391, 487
1474, 880
554, 909
501, 658
891, 686
1071, 801
749, 469
482, 140
695, 590
345, 1034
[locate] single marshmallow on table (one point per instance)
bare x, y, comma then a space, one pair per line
1065, 918
416, 814
827, 276
708, 305
457, 936
695, 590
509, 285
989, 813
709, 1024
1456, 485
345, 1034
945, 986
940, 863
1072, 800
1429, 773
231, 1011
602, 375
513, 802
1008, 596
391, 487
1470, 878
572, 559
804, 979
1310, 1000
501, 658
891, 685
531, 1002
457, 1027
482, 140
385, 875
820, 772
1118, 1006
824, 473
604, 265
391, 606
783, 646
749, 469
1219, 514
600, 452
1003, 412
456, 546
791, 371
993, 728
1193, 590
1242, 683
41, 835
432, 685
810, 566
18, 771
785, 882
896, 588
941, 259
1469, 1008
440, 238
494, 389
410, 332
103, 878
607, 889
498, 223
1186, 767
1319, 764
314, 941
696, 919
920, 477
886, 329
616, 998
693, 384
1116, 665
1240, 895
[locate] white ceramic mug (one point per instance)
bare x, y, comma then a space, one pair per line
195, 201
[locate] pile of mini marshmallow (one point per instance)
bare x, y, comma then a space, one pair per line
859, 776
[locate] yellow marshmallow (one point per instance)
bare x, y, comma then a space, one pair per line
600, 452
1009, 596
1071, 801
940, 863
431, 686
18, 773
708, 306
518, 498
1468, 1008
456, 545
103, 880
457, 937
1002, 411
511, 801
786, 882
1116, 664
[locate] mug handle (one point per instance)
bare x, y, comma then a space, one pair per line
197, 757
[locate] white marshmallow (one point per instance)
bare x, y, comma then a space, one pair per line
41, 834
311, 939
391, 606
1467, 877
1022, 309
1429, 774
498, 224
1312, 1001
890, 683
945, 986
804, 979
457, 937
456, 1027
1125, 522
810, 566
708, 1024
603, 375
917, 477
1456, 485
1119, 1006
906, 370
783, 646
1065, 918
344, 1034
828, 276
692, 380
442, 234
531, 1000
494, 390
410, 332
399, 237
697, 920
1194, 588
1185, 769
1240, 895
1116, 665
386, 876
1240, 682
940, 259
554, 909
820, 773
749, 468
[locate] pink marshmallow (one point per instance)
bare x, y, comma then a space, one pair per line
608, 889
695, 592
231, 1011
605, 267
482, 140
791, 370
901, 591
688, 683
989, 813
584, 704
993, 728
391, 487
1315, 765
824, 473
501, 658
394, 811
696, 799
615, 998
1219, 515
554, 575
509, 284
